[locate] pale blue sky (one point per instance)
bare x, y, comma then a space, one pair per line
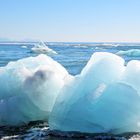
71, 20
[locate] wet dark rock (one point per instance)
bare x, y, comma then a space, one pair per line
39, 130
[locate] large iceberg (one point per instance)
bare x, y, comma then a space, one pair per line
28, 88
104, 98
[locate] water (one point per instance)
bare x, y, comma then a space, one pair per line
73, 56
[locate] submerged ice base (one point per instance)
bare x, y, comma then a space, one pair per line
103, 98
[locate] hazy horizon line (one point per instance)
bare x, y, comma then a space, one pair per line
33, 41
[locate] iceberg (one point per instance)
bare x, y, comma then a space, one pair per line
41, 48
24, 47
129, 53
28, 88
104, 98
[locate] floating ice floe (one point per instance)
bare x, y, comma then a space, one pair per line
42, 48
109, 45
24, 47
80, 46
130, 53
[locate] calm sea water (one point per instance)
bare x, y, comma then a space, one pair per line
73, 56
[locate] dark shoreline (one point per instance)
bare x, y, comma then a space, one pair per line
40, 130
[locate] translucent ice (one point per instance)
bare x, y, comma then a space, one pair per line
28, 89
105, 97
130, 53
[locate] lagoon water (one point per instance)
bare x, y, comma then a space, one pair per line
73, 56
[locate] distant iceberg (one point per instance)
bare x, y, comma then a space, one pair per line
130, 53
24, 47
103, 98
41, 48
110, 44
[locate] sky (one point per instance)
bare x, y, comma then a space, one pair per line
70, 20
